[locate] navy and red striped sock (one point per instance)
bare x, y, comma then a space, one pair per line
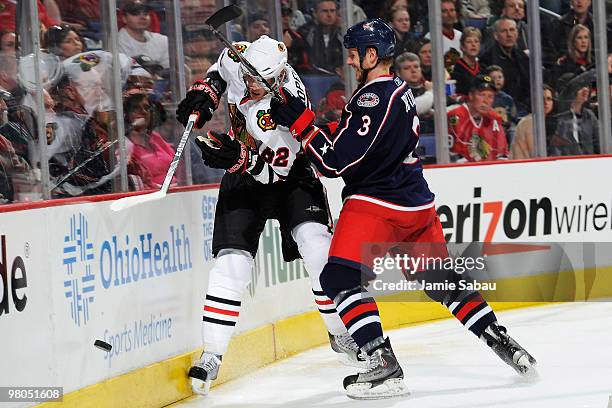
359, 313
472, 311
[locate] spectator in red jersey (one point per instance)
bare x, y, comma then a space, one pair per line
467, 67
476, 130
8, 13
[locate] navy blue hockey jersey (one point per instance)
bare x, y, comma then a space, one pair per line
373, 148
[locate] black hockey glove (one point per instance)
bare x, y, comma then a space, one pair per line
293, 114
203, 97
220, 151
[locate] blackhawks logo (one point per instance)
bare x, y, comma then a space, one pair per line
264, 120
240, 48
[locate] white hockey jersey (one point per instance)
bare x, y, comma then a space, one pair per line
274, 142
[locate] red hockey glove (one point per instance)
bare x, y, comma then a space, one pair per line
293, 113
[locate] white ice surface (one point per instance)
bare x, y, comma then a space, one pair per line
447, 367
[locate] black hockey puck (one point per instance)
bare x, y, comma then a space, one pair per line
102, 345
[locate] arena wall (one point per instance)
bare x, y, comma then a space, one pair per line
73, 272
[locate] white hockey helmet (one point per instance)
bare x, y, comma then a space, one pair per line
268, 56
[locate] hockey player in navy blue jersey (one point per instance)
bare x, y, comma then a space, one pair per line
386, 200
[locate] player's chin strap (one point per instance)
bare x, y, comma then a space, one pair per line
366, 71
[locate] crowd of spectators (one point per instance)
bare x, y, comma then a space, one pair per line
481, 38
486, 60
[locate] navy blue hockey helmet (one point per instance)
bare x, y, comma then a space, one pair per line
371, 33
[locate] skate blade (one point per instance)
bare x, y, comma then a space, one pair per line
346, 360
391, 388
200, 387
526, 367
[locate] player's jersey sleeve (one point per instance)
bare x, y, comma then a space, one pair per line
228, 66
364, 120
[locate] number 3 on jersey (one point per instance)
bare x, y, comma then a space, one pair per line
366, 125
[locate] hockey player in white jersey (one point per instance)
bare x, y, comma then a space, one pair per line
267, 178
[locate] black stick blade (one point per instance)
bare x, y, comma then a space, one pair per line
223, 16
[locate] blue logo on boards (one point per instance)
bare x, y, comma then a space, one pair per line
116, 261
80, 283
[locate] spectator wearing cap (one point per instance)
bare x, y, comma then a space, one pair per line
467, 66
451, 37
135, 39
514, 62
324, 36
258, 26
476, 130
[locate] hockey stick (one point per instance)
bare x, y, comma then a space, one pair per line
223, 16
131, 201
80, 166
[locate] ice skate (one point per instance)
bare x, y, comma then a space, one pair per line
383, 379
509, 350
204, 371
348, 351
